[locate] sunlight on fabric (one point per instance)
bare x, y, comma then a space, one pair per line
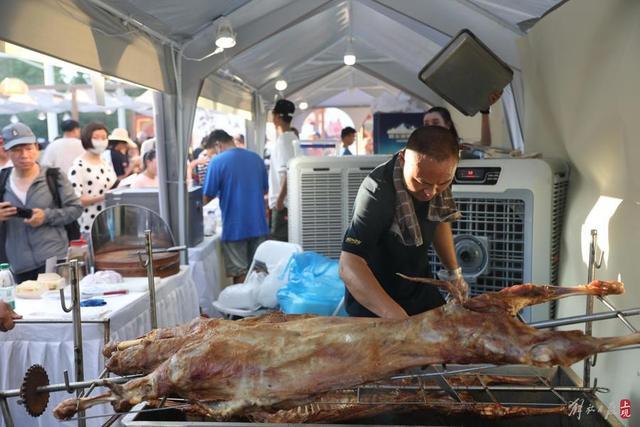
598, 219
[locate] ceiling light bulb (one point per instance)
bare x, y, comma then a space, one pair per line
349, 58
225, 37
42, 116
14, 119
303, 105
281, 85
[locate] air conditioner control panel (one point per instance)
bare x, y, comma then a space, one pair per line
477, 175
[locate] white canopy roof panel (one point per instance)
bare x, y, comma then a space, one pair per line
301, 41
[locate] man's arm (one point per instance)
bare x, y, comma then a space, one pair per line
211, 186
282, 194
443, 244
485, 135
366, 289
485, 131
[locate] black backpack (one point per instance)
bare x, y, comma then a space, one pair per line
52, 174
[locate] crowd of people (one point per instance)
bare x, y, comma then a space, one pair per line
43, 194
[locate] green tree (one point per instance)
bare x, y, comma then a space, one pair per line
29, 72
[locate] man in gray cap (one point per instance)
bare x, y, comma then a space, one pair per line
33, 220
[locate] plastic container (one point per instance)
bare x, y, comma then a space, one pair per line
7, 286
314, 285
294, 304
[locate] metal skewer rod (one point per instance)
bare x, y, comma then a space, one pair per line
73, 385
620, 316
103, 374
152, 285
489, 387
119, 414
165, 250
585, 318
452, 372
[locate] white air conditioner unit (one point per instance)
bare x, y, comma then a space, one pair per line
321, 195
501, 200
515, 208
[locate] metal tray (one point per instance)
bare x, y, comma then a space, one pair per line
465, 73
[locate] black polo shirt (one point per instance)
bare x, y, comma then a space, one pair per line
369, 237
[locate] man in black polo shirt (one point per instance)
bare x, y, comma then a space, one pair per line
401, 208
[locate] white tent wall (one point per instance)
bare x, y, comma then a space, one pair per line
226, 92
469, 128
357, 114
62, 29
581, 93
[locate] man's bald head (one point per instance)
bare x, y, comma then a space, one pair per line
435, 142
429, 162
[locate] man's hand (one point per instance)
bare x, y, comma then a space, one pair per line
279, 204
459, 289
7, 211
7, 316
37, 219
462, 289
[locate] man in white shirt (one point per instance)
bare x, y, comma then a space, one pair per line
62, 152
347, 137
281, 153
5, 161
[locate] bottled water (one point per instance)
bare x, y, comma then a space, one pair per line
7, 286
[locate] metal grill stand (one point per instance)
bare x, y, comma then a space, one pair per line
148, 264
78, 355
416, 380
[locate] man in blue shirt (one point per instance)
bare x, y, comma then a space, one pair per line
347, 137
239, 178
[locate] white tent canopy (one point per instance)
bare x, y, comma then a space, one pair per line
298, 40
168, 45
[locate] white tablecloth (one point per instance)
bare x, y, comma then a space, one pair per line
51, 345
207, 271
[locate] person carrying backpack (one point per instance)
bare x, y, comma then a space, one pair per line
38, 206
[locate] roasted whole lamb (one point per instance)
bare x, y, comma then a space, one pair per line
279, 363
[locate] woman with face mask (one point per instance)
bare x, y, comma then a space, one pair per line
91, 176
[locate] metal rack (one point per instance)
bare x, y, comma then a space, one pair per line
416, 381
80, 387
412, 381
595, 263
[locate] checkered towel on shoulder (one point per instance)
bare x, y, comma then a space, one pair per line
442, 208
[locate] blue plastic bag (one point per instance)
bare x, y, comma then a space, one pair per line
314, 285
